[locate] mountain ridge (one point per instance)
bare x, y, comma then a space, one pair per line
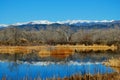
59, 22
72, 24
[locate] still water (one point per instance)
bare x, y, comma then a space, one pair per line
20, 70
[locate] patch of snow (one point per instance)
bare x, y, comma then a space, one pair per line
82, 21
59, 22
3, 25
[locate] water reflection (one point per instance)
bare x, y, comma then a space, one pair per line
15, 70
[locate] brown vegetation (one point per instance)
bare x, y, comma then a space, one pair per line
112, 76
60, 51
113, 63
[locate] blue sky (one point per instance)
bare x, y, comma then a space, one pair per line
12, 11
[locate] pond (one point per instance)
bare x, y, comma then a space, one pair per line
43, 70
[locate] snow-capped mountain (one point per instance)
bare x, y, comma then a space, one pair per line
73, 24
83, 21
34, 22
69, 22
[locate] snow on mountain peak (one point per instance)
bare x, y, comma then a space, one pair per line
3, 25
83, 21
59, 22
73, 21
42, 22
63, 22
34, 22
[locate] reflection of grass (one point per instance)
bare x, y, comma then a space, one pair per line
55, 51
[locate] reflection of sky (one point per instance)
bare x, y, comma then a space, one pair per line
17, 71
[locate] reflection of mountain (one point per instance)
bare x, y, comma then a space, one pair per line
52, 71
73, 24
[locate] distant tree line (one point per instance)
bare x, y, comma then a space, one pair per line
61, 35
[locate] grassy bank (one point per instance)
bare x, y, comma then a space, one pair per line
112, 76
55, 51
114, 63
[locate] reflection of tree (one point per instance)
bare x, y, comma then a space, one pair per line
13, 66
83, 71
16, 67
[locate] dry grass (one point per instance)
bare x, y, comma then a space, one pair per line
62, 52
114, 63
112, 76
55, 51
117, 69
